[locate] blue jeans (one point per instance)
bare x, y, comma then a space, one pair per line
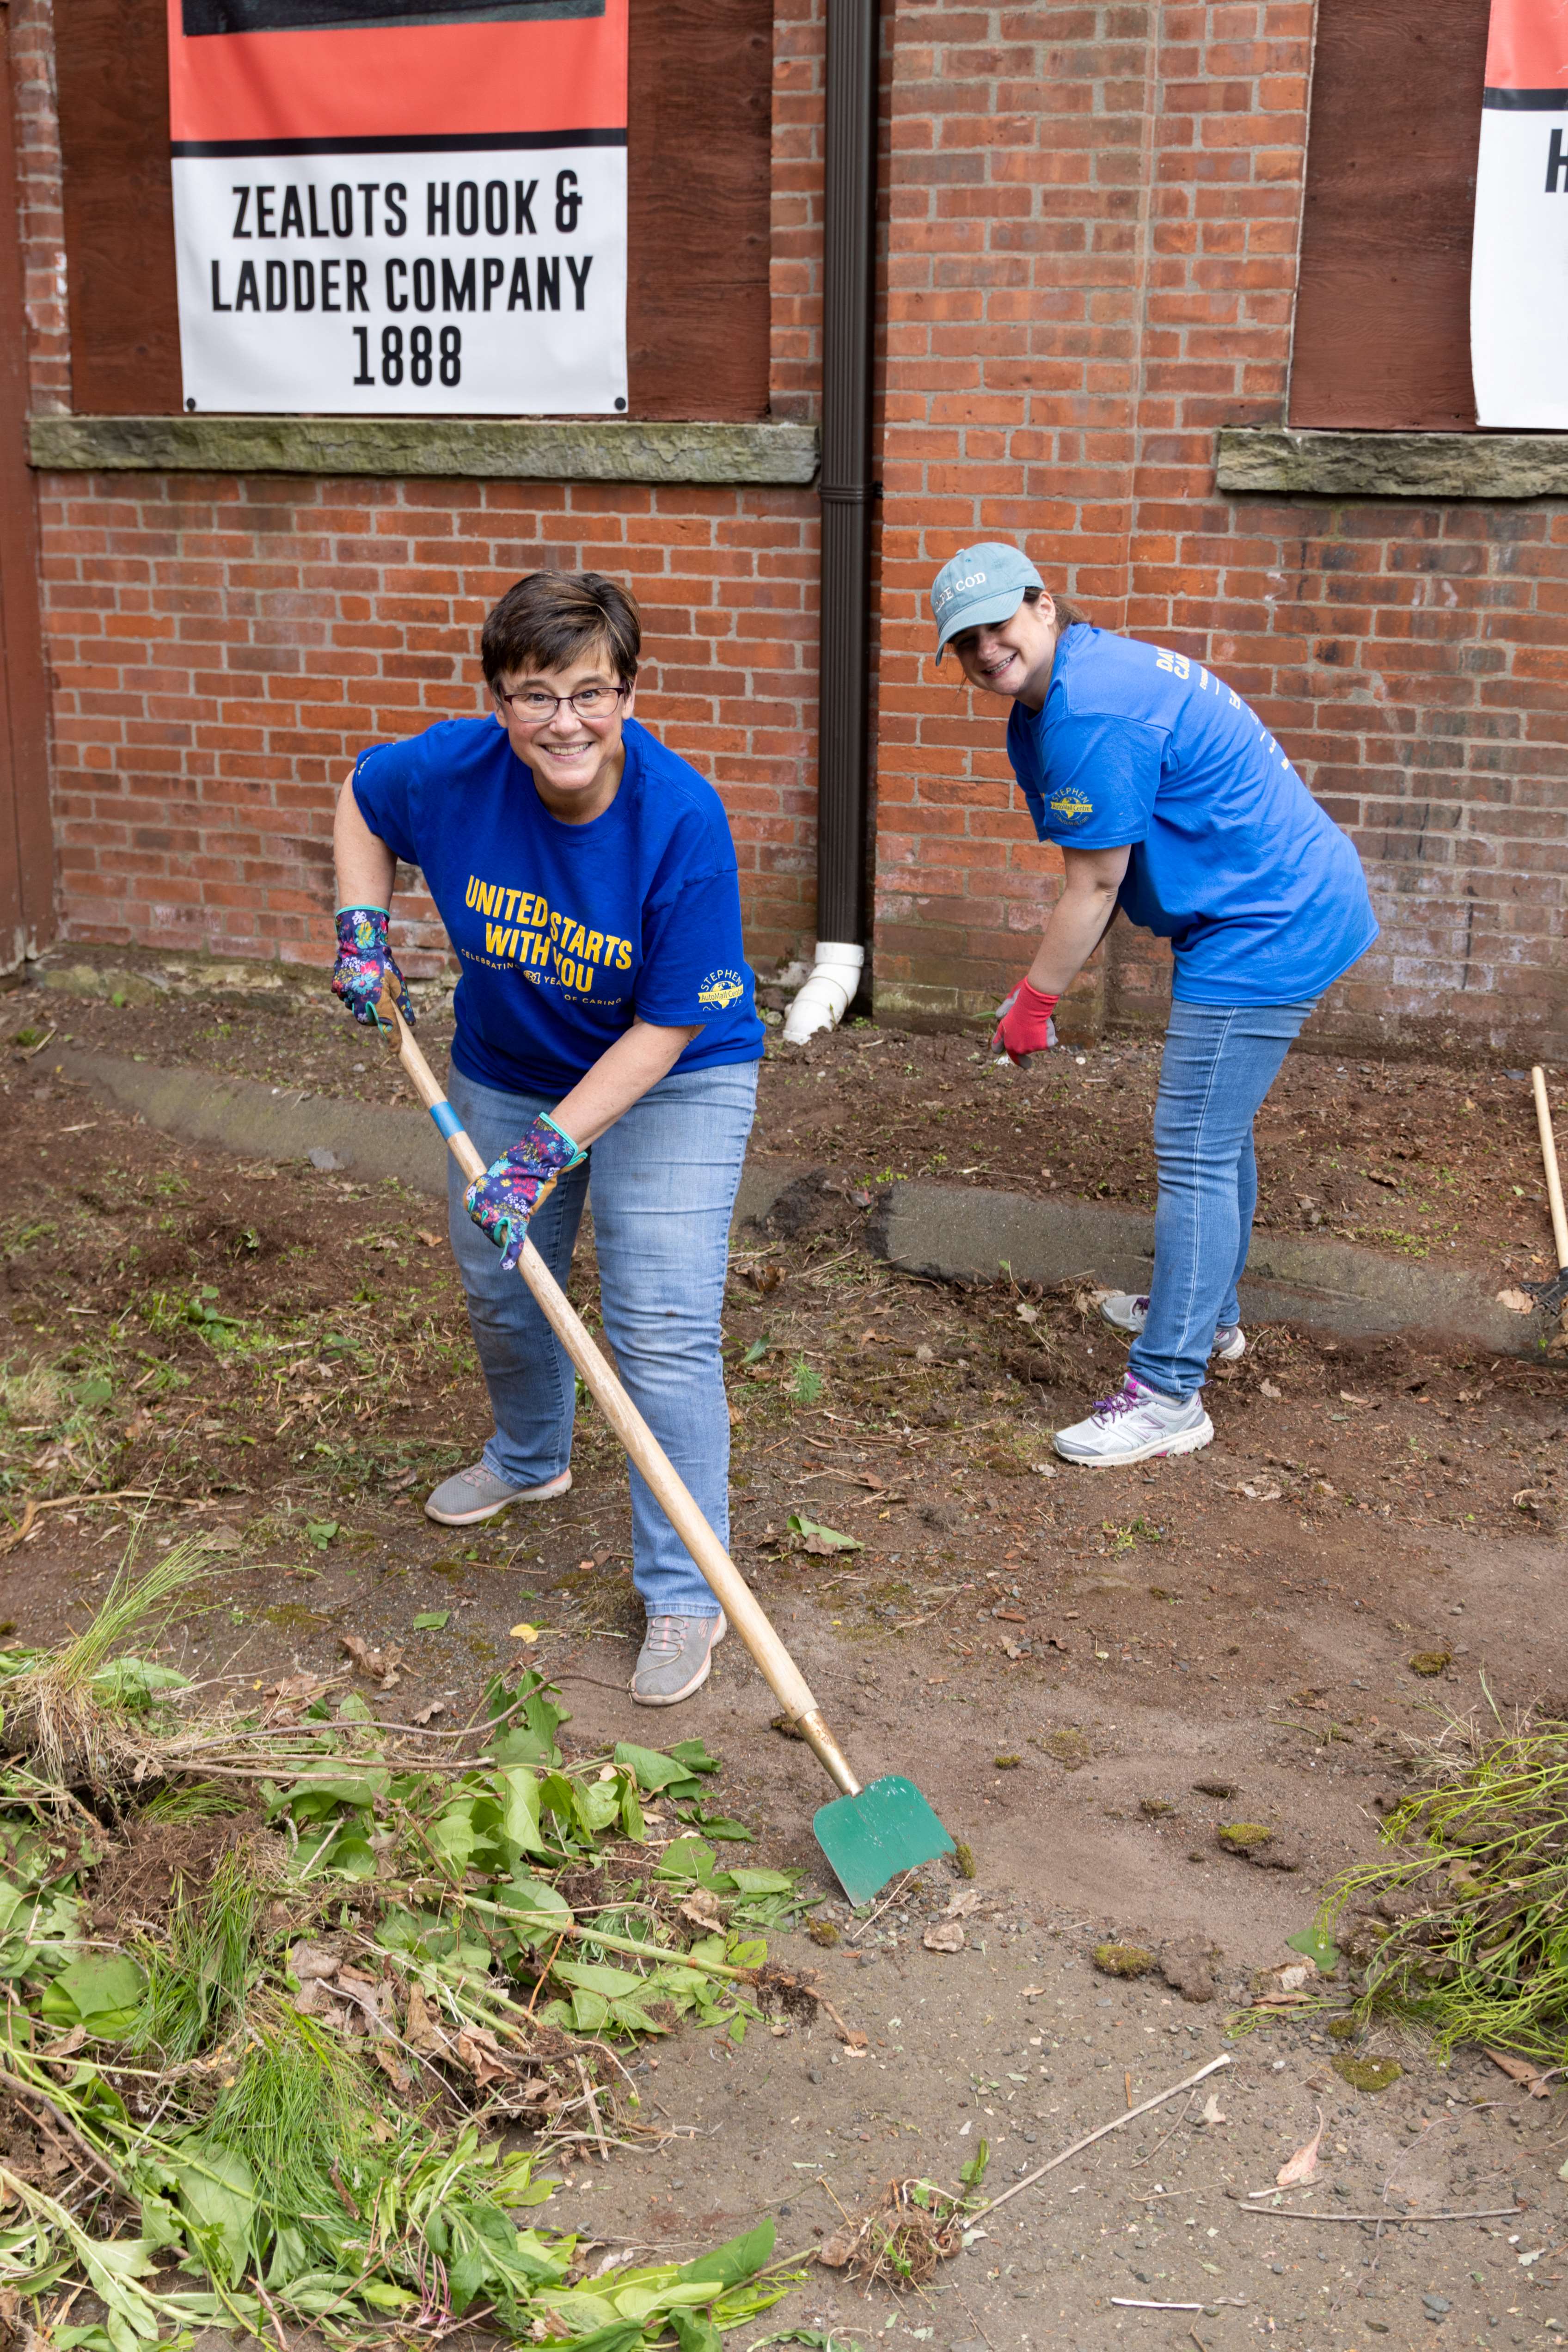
1220, 1061
662, 1181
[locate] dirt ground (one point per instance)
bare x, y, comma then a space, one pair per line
1088, 1673
1432, 1159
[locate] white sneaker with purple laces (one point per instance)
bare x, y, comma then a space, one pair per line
1135, 1425
1125, 1313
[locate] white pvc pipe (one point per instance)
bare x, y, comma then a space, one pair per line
827, 993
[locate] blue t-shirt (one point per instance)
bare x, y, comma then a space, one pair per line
565, 932
1260, 893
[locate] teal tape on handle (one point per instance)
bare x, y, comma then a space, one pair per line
446, 1118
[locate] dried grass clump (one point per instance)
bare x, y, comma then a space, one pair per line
901, 2242
70, 1715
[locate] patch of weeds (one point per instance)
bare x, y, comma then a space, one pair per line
24, 1233
197, 1981
806, 1384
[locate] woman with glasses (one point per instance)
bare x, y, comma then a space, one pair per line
606, 1041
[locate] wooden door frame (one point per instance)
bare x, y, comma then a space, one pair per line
26, 837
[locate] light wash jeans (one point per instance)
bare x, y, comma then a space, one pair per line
1220, 1061
662, 1181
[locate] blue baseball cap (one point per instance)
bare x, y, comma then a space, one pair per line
979, 584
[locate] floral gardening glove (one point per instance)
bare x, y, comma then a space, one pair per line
502, 1200
1023, 1025
364, 959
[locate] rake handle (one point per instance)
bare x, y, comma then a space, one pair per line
735, 1596
1549, 1160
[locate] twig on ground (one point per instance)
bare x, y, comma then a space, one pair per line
1116, 2123
1300, 2213
590, 2095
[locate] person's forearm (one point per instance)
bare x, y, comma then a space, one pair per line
620, 1076
1076, 928
365, 867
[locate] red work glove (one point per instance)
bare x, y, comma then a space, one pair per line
1023, 1025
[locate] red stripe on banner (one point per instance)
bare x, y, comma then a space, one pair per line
1527, 44
428, 80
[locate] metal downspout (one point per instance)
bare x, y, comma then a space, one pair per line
847, 310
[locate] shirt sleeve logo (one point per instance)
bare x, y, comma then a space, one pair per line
1071, 808
721, 989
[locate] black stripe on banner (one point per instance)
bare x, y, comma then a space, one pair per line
1526, 101
464, 142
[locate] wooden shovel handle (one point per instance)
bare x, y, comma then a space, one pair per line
740, 1604
1549, 1156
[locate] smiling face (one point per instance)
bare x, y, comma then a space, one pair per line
1012, 658
576, 757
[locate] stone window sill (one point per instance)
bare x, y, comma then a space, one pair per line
1272, 459
472, 449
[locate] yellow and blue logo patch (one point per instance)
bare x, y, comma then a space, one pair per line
1071, 808
721, 989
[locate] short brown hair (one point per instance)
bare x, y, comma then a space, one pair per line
552, 618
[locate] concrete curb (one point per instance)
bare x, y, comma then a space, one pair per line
368, 1140
952, 1231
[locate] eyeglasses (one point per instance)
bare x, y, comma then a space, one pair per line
537, 709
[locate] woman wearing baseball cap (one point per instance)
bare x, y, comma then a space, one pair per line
1168, 797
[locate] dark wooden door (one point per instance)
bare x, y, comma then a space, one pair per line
26, 848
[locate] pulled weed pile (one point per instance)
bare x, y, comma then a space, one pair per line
1464, 1928
281, 2100
916, 2226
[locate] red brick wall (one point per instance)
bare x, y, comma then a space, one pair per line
1091, 223
221, 646
1095, 221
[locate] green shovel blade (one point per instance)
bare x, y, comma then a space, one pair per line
870, 1838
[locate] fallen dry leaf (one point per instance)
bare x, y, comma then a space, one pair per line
381, 1665
1517, 1302
1259, 1490
1348, 1397
525, 1632
419, 2027
309, 1960
1267, 1389
702, 1907
947, 1936
1032, 1992
967, 1899
221, 1538
834, 2252
1520, 2070
427, 1240
428, 1714
1303, 2164
1211, 2113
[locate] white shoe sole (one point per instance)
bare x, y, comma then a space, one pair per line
545, 1494
1185, 1441
674, 1698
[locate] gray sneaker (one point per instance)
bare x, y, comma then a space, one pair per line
1123, 1312
476, 1493
676, 1658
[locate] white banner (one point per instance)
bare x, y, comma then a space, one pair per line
406, 207
469, 283
1519, 263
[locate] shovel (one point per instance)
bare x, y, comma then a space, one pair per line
869, 1834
